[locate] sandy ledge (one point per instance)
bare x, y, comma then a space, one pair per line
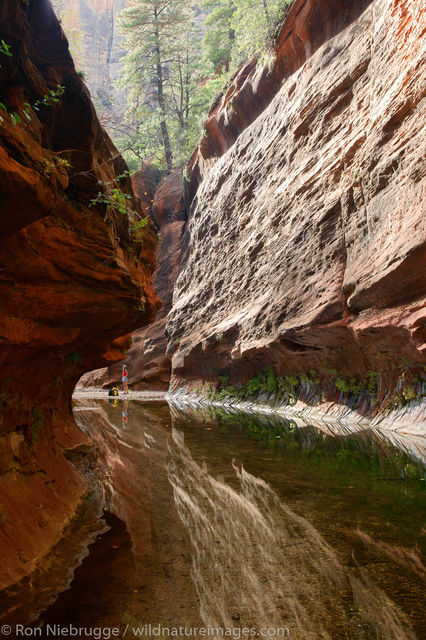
92, 393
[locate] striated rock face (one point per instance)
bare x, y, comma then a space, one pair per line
305, 242
72, 278
307, 26
147, 360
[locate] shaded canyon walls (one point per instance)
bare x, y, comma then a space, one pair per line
73, 280
302, 262
149, 364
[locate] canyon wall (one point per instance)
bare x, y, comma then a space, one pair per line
304, 252
74, 280
96, 47
148, 363
147, 360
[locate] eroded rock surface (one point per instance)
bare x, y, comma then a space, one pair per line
72, 278
305, 242
148, 362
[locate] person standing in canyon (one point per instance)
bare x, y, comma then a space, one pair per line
124, 377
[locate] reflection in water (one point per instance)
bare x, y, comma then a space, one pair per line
256, 563
125, 414
408, 558
24, 601
391, 453
255, 560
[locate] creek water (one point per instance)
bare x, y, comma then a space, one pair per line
215, 518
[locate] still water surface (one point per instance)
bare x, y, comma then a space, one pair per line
241, 521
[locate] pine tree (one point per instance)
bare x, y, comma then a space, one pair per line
219, 37
165, 72
151, 27
170, 82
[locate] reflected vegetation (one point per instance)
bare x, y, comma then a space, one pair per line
373, 451
361, 492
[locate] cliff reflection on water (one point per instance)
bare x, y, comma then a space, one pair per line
244, 520
257, 562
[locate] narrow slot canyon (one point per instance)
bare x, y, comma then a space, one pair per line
212, 328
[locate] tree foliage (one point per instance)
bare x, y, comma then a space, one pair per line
163, 71
238, 29
179, 55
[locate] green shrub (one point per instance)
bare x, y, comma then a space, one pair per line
271, 381
256, 385
116, 201
409, 393
223, 380
342, 385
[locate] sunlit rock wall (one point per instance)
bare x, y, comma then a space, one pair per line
305, 242
96, 46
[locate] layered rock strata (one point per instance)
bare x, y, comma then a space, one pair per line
149, 364
73, 279
304, 250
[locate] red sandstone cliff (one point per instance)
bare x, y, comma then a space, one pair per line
148, 363
147, 360
305, 242
72, 278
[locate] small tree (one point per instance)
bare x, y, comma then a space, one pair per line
255, 23
219, 37
237, 29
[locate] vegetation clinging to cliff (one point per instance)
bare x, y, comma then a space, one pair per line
392, 387
237, 29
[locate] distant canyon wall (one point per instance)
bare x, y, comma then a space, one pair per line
96, 46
